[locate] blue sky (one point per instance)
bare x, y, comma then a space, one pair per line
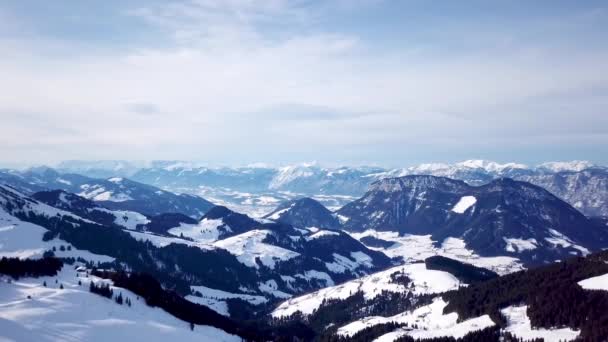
341, 82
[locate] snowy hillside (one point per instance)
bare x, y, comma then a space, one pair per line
30, 311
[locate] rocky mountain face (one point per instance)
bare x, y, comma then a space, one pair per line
586, 190
305, 212
581, 184
503, 217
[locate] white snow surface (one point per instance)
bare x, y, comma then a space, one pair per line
520, 245
75, 314
249, 246
277, 214
216, 299
519, 325
207, 230
575, 165
419, 247
559, 239
464, 203
430, 321
129, 219
595, 283
99, 193
162, 241
424, 281
20, 239
321, 233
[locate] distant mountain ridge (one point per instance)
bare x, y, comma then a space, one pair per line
581, 183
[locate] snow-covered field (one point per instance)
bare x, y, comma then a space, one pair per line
19, 239
249, 246
595, 283
419, 247
519, 325
429, 322
424, 281
464, 203
75, 314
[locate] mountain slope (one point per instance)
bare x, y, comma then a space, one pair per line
504, 217
304, 212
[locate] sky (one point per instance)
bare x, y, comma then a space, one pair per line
340, 82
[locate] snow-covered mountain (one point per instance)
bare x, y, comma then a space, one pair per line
305, 212
224, 251
503, 217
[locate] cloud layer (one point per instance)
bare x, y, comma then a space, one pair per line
243, 81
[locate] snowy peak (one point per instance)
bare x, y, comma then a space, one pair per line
305, 212
576, 166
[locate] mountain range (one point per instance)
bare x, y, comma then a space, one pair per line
580, 183
398, 259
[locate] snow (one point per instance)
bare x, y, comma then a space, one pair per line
520, 245
162, 241
342, 263
277, 214
575, 165
595, 283
288, 174
321, 233
115, 180
430, 322
343, 219
207, 230
129, 219
19, 239
271, 287
419, 247
362, 258
424, 281
75, 314
314, 274
216, 299
249, 246
464, 203
64, 181
562, 240
519, 325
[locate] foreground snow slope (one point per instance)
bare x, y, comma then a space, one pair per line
75, 314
